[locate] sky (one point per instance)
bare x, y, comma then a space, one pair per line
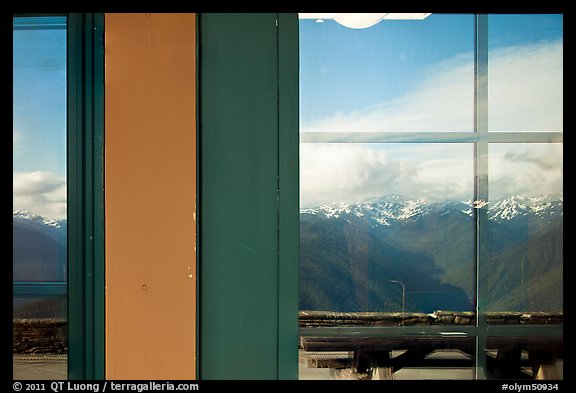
419, 76
394, 76
39, 121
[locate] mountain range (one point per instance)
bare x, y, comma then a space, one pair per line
38, 247
360, 256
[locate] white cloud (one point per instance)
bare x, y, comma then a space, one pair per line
352, 173
40, 192
443, 102
342, 172
526, 88
526, 169
525, 94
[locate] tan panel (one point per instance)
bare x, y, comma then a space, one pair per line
150, 191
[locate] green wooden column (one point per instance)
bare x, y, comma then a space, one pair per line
248, 220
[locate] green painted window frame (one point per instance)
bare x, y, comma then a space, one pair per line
85, 197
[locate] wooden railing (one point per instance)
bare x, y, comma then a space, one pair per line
39, 336
309, 319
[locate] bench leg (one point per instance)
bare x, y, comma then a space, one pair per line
348, 374
543, 365
508, 363
377, 364
382, 373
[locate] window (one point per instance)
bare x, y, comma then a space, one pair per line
57, 197
431, 198
40, 263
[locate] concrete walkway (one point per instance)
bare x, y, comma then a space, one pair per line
49, 367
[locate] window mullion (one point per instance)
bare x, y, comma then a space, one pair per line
481, 186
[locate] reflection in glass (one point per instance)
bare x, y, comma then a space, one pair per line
39, 198
39, 247
392, 242
387, 228
39, 307
395, 76
525, 228
525, 77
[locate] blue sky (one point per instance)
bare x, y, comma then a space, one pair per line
39, 93
419, 76
344, 69
39, 121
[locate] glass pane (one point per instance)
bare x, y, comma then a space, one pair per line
40, 338
399, 75
39, 243
524, 276
525, 74
387, 238
39, 196
526, 228
377, 220
39, 307
514, 357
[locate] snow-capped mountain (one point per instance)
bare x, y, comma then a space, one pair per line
28, 216
383, 211
349, 251
38, 247
517, 206
395, 208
